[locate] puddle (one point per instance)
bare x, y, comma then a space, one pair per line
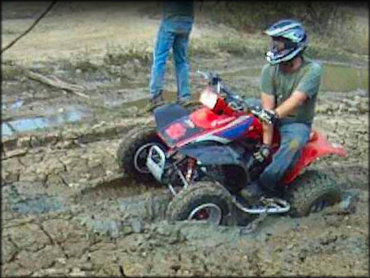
12, 127
38, 204
15, 105
337, 78
143, 102
140, 103
344, 79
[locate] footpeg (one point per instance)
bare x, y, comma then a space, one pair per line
267, 205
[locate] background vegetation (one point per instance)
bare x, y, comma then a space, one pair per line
333, 23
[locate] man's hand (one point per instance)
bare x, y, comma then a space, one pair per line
268, 116
262, 154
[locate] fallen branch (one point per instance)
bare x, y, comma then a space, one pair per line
57, 83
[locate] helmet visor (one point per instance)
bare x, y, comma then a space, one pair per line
279, 44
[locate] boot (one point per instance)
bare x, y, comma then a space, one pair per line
155, 102
251, 193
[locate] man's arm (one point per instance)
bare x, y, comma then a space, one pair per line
289, 105
268, 102
284, 109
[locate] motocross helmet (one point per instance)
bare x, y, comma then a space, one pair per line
288, 40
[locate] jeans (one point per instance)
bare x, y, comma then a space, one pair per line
294, 137
172, 34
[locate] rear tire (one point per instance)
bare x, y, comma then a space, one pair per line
311, 192
201, 201
133, 150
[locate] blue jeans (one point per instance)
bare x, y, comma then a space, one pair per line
172, 34
294, 137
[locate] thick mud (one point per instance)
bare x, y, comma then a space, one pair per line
68, 210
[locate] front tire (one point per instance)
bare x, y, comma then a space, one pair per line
311, 192
205, 201
133, 151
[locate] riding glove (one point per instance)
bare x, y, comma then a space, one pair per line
269, 116
262, 154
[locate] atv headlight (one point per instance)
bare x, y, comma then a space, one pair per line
208, 98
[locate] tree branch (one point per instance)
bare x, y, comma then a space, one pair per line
30, 28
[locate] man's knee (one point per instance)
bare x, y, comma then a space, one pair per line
296, 144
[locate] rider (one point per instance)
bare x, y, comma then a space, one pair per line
289, 84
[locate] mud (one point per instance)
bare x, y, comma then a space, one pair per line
67, 210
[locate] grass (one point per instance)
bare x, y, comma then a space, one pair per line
136, 51
10, 72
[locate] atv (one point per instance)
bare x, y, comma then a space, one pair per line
205, 157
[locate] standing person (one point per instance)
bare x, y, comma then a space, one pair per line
289, 84
173, 33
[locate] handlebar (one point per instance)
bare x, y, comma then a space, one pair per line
234, 100
214, 79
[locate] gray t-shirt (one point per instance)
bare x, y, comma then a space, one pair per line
306, 79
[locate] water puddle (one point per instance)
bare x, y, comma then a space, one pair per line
35, 123
31, 204
140, 103
15, 105
39, 204
337, 78
143, 102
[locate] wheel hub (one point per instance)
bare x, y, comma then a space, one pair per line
208, 212
140, 158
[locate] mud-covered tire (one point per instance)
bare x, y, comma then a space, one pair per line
127, 152
193, 197
311, 192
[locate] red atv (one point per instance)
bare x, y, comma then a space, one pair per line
205, 157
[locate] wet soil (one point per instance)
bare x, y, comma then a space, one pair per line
68, 210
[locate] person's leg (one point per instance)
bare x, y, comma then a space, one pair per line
294, 137
180, 47
163, 45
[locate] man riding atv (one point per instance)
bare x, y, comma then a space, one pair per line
289, 84
208, 155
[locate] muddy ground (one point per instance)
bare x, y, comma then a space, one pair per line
67, 210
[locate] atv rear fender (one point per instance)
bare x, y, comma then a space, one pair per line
317, 146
